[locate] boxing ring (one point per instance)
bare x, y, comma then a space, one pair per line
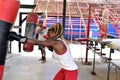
80, 27
74, 27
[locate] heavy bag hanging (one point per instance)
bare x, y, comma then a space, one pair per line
8, 14
31, 22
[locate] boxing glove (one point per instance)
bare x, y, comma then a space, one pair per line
43, 27
13, 36
45, 36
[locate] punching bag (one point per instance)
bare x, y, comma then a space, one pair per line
31, 22
8, 14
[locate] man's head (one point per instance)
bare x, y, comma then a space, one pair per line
40, 23
55, 31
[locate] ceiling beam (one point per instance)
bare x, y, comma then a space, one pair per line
27, 6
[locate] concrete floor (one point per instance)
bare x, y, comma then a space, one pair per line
25, 66
22, 67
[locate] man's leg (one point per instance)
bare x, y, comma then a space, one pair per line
40, 48
43, 55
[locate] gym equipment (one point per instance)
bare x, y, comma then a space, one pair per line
31, 22
8, 15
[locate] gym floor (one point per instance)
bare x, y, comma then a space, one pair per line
25, 66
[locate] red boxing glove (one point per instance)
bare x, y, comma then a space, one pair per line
43, 27
45, 36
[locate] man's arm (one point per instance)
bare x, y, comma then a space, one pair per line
42, 43
13, 36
